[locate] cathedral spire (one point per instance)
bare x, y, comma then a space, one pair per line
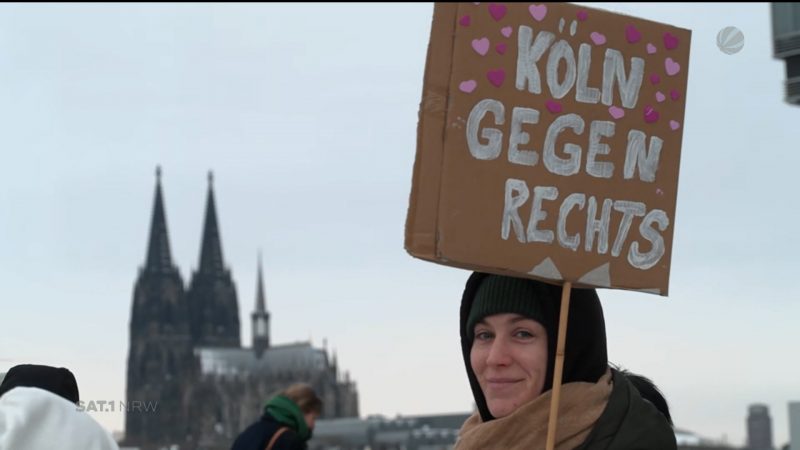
211, 247
261, 301
260, 317
158, 254
213, 306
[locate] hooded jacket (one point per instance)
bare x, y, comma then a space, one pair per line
628, 421
57, 380
34, 419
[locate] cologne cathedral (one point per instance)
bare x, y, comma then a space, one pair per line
186, 350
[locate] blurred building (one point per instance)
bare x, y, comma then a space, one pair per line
186, 357
688, 440
794, 425
786, 45
432, 432
759, 428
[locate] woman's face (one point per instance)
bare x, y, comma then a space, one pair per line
311, 419
509, 358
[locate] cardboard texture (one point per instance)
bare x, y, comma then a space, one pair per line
549, 144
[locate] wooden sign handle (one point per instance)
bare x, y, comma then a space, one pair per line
559, 368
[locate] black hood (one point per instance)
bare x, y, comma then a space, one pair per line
57, 380
585, 357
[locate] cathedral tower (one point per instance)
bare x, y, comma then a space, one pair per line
160, 354
213, 307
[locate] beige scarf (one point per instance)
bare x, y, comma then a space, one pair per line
526, 428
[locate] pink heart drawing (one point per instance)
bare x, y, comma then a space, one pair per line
597, 38
674, 95
553, 106
671, 66
650, 114
468, 86
481, 45
660, 97
659, 191
582, 15
497, 10
651, 49
674, 124
464, 21
616, 112
632, 34
538, 11
506, 31
655, 79
496, 77
501, 48
670, 41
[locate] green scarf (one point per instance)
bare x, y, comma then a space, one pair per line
288, 413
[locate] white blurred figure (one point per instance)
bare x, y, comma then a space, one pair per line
36, 419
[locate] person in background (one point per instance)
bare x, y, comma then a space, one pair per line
509, 328
287, 423
38, 410
648, 390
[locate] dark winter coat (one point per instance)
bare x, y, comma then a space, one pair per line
258, 435
630, 422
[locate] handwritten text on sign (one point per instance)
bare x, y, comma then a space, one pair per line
569, 145
549, 144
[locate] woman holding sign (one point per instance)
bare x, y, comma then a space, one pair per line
508, 338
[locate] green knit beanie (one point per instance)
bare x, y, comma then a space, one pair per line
500, 294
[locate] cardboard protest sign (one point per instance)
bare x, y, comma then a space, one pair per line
549, 144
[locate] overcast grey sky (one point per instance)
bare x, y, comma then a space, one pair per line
307, 115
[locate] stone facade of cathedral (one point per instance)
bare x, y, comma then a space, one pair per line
186, 354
